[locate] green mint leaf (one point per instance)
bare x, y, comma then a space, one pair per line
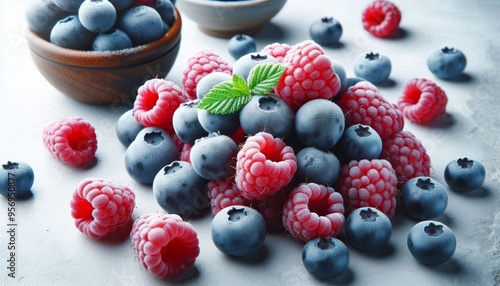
226, 97
264, 77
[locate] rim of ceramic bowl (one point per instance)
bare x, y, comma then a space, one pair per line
215, 3
107, 59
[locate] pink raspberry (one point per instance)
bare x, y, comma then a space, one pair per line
72, 140
422, 100
150, 3
156, 101
368, 183
264, 166
186, 152
100, 207
313, 211
199, 65
309, 75
276, 50
271, 209
364, 104
407, 156
166, 245
381, 18
224, 193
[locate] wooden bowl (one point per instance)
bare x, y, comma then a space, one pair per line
225, 19
99, 77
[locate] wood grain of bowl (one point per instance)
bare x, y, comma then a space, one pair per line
98, 77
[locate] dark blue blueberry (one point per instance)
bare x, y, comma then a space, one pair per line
326, 31
70, 33
317, 166
464, 174
186, 123
112, 40
225, 124
446, 62
166, 10
373, 67
42, 15
368, 229
360, 142
210, 80
246, 63
16, 180
179, 189
127, 128
240, 45
152, 149
238, 231
325, 257
97, 15
423, 198
431, 242
341, 73
214, 156
120, 5
319, 123
267, 113
69, 5
142, 24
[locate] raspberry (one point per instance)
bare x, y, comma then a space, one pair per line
186, 152
72, 140
309, 75
166, 245
150, 3
364, 104
407, 156
422, 100
224, 193
368, 183
198, 66
100, 207
381, 18
313, 211
276, 50
156, 101
271, 209
264, 166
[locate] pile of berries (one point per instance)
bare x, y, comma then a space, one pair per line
101, 25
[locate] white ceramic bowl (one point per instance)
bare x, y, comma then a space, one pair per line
225, 19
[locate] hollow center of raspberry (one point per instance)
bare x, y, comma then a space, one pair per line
173, 252
368, 215
362, 131
425, 184
236, 214
375, 17
172, 168
433, 229
153, 138
258, 57
465, 163
149, 100
82, 209
325, 243
78, 141
267, 103
320, 207
10, 166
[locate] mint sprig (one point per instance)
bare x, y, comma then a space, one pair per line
229, 96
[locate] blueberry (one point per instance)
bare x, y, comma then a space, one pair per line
16, 180
240, 45
152, 149
267, 113
42, 15
69, 5
317, 166
225, 124
446, 62
361, 142
423, 198
325, 257
368, 229
166, 10
120, 5
70, 33
464, 174
238, 231
341, 73
373, 67
319, 123
186, 123
112, 40
326, 31
431, 242
213, 157
142, 24
352, 81
210, 80
179, 189
127, 128
97, 15
246, 63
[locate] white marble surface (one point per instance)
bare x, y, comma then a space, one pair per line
51, 251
